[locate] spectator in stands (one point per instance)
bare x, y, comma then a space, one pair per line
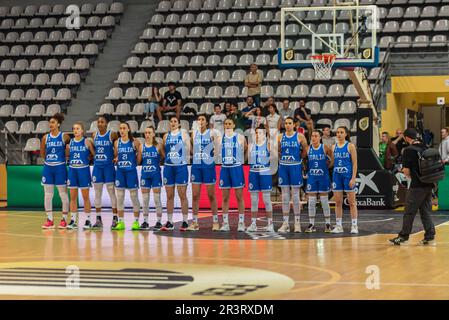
237, 116
227, 108
303, 116
285, 112
154, 102
172, 102
217, 119
250, 105
267, 104
327, 138
387, 151
273, 119
256, 118
444, 145
253, 82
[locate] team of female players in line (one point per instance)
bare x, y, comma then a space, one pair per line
115, 165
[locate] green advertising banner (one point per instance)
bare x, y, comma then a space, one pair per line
25, 189
443, 191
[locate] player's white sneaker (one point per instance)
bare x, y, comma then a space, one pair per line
354, 229
337, 229
284, 228
252, 228
270, 228
225, 227
241, 227
297, 227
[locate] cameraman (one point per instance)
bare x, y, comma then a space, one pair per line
419, 195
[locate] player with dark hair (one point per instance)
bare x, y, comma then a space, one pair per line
233, 148
127, 154
79, 151
150, 178
292, 149
54, 173
260, 177
104, 169
203, 170
320, 158
177, 149
344, 178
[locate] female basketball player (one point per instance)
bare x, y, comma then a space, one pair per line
260, 177
233, 149
203, 171
54, 172
177, 149
320, 158
292, 148
79, 152
344, 178
150, 178
127, 153
104, 169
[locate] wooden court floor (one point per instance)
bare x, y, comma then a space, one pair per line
35, 264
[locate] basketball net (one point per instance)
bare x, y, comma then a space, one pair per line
322, 64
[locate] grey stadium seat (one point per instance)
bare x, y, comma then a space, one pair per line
189, 76
330, 107
52, 109
105, 108
348, 107
11, 126
21, 111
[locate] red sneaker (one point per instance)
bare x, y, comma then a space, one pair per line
62, 224
48, 225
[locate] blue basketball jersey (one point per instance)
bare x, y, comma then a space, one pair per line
55, 150
259, 157
318, 162
231, 151
175, 151
290, 149
150, 161
126, 155
79, 154
342, 160
203, 150
104, 149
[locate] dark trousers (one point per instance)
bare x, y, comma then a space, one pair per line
418, 199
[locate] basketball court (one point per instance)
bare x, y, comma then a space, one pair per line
35, 264
87, 265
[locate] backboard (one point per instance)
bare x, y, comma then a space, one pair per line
348, 31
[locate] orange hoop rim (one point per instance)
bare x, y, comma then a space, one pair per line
326, 57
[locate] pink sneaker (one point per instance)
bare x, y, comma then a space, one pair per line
62, 224
48, 225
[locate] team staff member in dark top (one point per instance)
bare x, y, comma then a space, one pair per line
419, 195
400, 144
171, 102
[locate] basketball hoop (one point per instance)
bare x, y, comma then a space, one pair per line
322, 64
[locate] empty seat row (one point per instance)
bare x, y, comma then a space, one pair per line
40, 79
224, 5
230, 92
27, 127
412, 26
23, 110
38, 64
47, 50
47, 94
53, 36
406, 41
60, 9
49, 23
